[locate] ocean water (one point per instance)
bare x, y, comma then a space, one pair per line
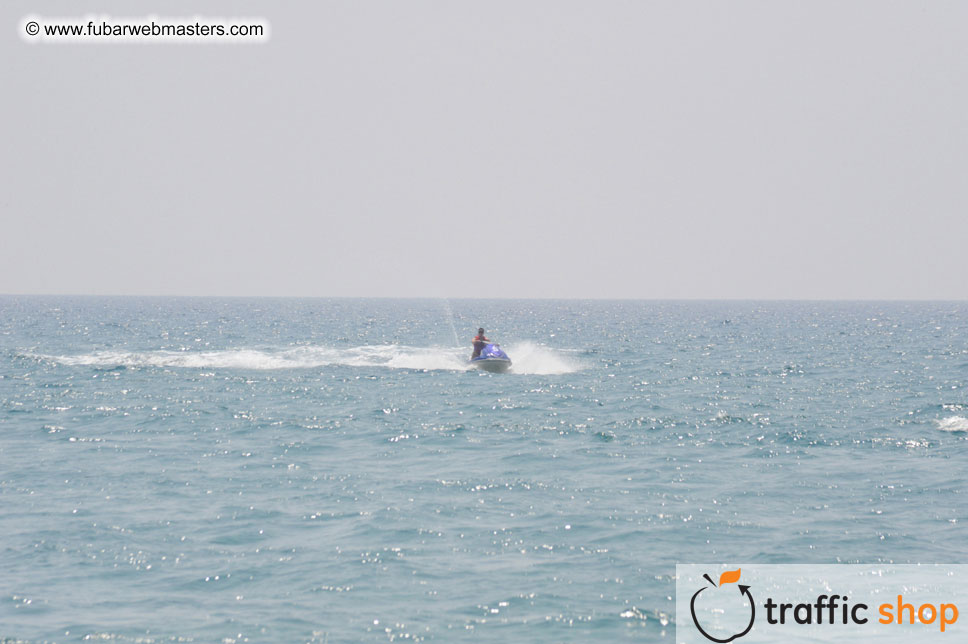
312, 470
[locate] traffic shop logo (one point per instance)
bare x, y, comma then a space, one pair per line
730, 610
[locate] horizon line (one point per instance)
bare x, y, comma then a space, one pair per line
464, 297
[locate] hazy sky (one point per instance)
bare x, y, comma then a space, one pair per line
504, 149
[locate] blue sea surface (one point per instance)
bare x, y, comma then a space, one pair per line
316, 470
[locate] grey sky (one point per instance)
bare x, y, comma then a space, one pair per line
503, 149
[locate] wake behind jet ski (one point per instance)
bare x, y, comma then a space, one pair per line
488, 356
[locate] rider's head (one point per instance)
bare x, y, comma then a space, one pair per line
481, 331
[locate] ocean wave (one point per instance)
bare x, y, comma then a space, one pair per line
953, 424
528, 358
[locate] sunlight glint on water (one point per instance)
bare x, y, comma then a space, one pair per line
331, 470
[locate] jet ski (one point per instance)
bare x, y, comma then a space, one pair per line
492, 359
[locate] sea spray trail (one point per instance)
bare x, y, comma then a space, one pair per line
528, 358
450, 319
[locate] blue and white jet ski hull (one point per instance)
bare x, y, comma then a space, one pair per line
494, 365
492, 359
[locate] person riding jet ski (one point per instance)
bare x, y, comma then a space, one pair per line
488, 356
479, 342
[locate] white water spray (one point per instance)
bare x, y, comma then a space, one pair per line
450, 320
527, 358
